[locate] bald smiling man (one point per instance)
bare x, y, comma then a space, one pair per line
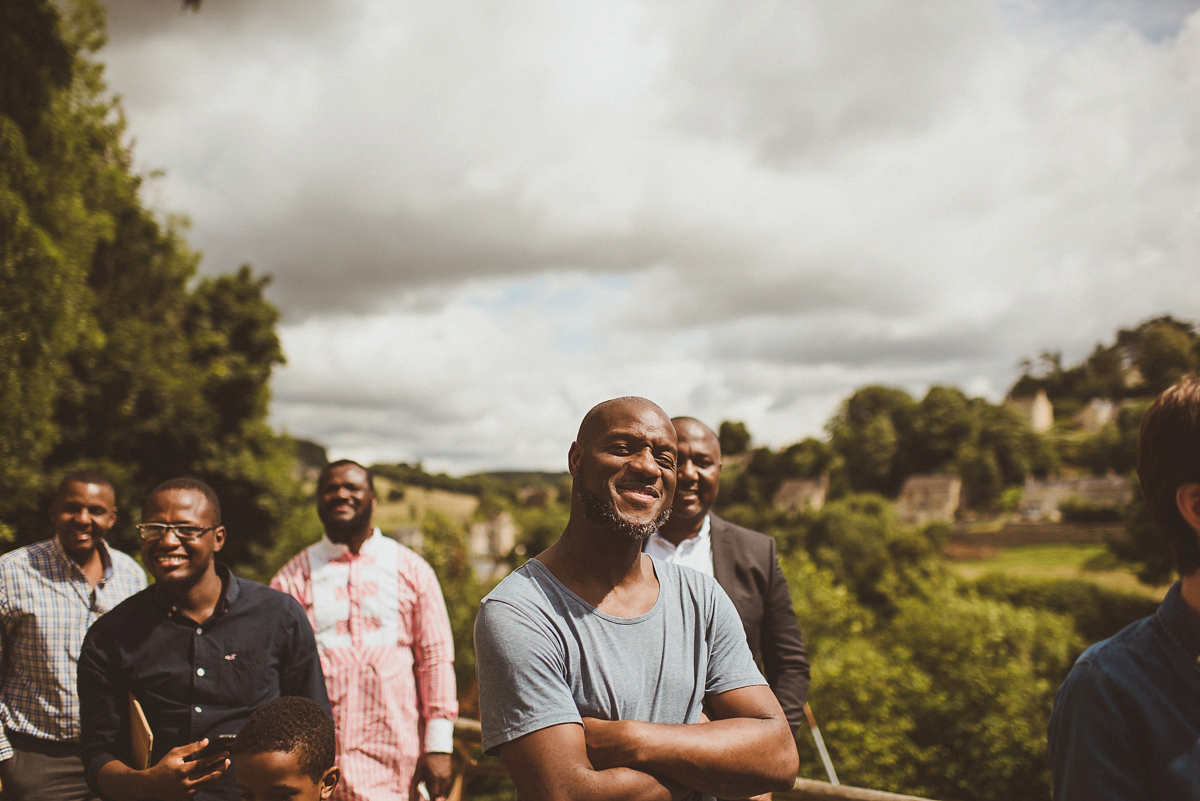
606, 674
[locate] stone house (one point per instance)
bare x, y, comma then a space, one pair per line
1038, 410
799, 494
929, 499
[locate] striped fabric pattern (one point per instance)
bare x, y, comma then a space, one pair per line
388, 656
46, 607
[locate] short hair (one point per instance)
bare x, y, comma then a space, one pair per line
327, 469
291, 724
191, 485
1168, 444
83, 477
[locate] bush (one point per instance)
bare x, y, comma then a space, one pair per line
1077, 510
1097, 612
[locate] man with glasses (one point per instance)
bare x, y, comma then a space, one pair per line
199, 651
50, 592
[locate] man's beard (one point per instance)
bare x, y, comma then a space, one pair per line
601, 512
340, 529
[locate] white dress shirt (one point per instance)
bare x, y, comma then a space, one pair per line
694, 552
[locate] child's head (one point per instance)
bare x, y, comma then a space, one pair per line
285, 750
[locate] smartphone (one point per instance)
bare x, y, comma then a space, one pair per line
216, 744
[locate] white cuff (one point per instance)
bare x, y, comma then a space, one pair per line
439, 736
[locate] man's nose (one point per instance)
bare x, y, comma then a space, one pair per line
687, 470
169, 538
643, 461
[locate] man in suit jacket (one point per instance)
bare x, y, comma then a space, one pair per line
743, 562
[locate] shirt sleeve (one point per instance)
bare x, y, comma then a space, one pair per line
103, 708
785, 660
433, 660
521, 676
6, 750
301, 665
1093, 751
730, 663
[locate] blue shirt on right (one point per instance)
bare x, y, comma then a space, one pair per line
1126, 722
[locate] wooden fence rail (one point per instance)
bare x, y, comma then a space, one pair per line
467, 735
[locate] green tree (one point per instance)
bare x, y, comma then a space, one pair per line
115, 355
51, 129
734, 438
445, 548
1165, 351
942, 423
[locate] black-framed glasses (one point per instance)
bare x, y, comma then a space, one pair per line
154, 531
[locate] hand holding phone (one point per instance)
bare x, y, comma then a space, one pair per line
216, 744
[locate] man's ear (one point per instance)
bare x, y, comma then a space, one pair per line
329, 781
573, 459
1187, 498
218, 538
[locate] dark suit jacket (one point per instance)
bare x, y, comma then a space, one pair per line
747, 568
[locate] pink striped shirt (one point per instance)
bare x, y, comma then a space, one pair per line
388, 657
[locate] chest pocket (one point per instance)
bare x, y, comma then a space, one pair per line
244, 679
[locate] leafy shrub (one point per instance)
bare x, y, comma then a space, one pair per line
1077, 510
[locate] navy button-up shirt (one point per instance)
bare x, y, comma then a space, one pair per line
1126, 722
192, 679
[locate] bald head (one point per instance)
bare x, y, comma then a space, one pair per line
694, 430
601, 417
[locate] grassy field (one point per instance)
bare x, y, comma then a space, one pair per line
1090, 562
409, 510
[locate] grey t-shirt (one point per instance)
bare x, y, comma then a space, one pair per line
544, 656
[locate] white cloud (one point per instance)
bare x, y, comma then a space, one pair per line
484, 217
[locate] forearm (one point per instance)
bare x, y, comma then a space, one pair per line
613, 784
120, 782
551, 764
733, 758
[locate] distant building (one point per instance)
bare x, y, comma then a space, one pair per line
533, 496
929, 499
1098, 413
488, 545
799, 494
1038, 410
1041, 499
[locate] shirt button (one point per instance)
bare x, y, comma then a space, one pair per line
198, 709
199, 671
199, 630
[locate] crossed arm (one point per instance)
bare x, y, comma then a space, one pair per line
746, 749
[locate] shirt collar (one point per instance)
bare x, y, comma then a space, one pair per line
70, 564
1180, 621
230, 590
697, 539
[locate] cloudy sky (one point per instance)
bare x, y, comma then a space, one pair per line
484, 217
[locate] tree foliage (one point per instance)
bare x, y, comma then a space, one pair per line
115, 355
946, 696
1141, 363
881, 436
734, 438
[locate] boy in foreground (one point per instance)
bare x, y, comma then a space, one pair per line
285, 752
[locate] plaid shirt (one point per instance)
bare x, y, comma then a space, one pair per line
46, 606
